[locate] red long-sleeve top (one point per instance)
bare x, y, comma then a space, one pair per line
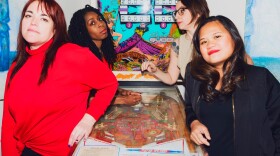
42, 117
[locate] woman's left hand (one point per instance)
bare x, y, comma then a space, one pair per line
82, 130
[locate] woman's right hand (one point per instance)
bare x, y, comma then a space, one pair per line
149, 66
132, 99
199, 133
127, 99
125, 92
82, 130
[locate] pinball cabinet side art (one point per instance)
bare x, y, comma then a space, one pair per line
154, 127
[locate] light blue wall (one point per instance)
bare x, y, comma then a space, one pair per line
262, 33
4, 35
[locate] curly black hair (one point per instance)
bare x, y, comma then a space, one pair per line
78, 34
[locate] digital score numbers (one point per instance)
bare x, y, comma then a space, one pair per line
136, 18
135, 2
165, 2
161, 10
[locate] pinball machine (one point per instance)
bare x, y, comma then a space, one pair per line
153, 127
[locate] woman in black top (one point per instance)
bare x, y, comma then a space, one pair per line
232, 108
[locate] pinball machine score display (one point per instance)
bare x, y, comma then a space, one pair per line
155, 126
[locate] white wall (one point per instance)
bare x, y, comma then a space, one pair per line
234, 10
71, 6
2, 83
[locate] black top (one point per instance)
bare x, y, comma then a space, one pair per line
217, 116
257, 109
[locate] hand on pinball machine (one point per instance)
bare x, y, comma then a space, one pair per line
125, 92
199, 133
82, 130
149, 66
132, 99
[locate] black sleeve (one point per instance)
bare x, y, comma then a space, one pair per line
273, 108
189, 82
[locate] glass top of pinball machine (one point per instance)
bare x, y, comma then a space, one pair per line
158, 118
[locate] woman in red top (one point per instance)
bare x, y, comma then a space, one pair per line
45, 101
88, 28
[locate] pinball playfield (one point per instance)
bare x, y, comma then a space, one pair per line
157, 121
155, 126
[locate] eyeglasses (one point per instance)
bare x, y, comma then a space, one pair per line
179, 11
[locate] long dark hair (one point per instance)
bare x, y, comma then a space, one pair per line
60, 37
79, 35
196, 7
233, 67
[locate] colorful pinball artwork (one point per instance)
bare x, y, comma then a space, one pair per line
154, 126
156, 119
143, 30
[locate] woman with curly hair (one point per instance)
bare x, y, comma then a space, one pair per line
232, 108
88, 28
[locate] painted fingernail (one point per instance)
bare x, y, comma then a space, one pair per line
69, 146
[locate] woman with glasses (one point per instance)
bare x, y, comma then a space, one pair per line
188, 14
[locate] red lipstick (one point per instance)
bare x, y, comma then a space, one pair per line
212, 52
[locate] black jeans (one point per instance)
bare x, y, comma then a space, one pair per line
29, 152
